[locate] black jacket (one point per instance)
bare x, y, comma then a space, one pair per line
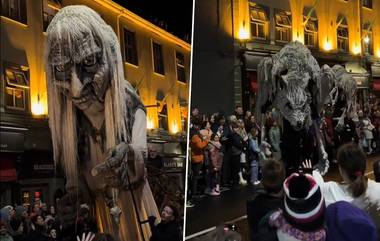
165, 232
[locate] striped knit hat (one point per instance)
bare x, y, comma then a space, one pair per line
304, 205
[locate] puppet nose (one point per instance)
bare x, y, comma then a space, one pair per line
299, 123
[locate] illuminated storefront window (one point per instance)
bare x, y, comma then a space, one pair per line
367, 39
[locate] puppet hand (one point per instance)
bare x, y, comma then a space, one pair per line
86, 237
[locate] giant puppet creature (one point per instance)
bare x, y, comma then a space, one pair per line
293, 83
98, 125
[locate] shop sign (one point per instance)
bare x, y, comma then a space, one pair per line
11, 142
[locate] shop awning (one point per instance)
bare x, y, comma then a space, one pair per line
7, 168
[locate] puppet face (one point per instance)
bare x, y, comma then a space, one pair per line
292, 72
83, 76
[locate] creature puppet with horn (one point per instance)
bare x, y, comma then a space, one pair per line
98, 125
292, 82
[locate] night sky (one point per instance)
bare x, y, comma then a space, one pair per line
178, 17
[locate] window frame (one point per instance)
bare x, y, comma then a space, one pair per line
133, 47
161, 63
180, 66
281, 28
310, 33
258, 22
14, 86
342, 39
21, 16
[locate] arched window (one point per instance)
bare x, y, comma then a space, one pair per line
367, 38
283, 26
342, 34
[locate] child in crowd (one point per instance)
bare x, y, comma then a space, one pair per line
267, 198
253, 153
216, 157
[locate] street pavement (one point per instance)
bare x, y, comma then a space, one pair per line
230, 206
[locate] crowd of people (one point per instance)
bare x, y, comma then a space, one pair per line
38, 222
228, 151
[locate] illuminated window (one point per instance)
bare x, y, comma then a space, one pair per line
14, 9
180, 62
259, 22
15, 89
367, 3
158, 59
283, 27
342, 36
163, 118
130, 47
311, 32
50, 9
367, 39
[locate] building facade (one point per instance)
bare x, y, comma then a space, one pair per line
345, 32
156, 63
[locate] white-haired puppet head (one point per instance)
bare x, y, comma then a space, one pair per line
292, 81
84, 73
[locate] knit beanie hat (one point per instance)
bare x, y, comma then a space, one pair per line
345, 222
19, 211
304, 205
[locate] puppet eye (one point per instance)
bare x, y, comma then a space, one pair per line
289, 106
90, 60
284, 72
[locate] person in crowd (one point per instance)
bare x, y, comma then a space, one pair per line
376, 170
243, 155
376, 130
267, 198
302, 216
52, 234
18, 224
216, 160
38, 229
168, 228
368, 133
346, 222
357, 188
197, 144
252, 123
253, 156
4, 232
239, 113
154, 159
236, 150
52, 211
206, 134
275, 140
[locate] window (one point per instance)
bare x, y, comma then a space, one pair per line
342, 35
14, 9
180, 62
130, 47
283, 27
311, 32
158, 60
16, 88
163, 118
50, 9
367, 3
367, 39
259, 22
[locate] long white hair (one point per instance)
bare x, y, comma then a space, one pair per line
65, 35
